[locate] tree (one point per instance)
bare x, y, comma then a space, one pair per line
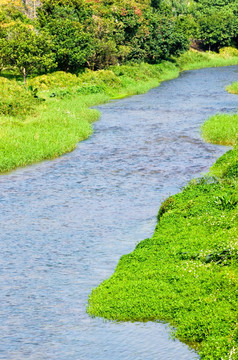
215, 23
155, 4
24, 48
71, 43
217, 28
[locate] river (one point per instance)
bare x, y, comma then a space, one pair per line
65, 223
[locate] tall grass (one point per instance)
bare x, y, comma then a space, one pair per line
193, 59
233, 88
55, 129
222, 128
52, 115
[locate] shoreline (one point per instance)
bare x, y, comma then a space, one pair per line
64, 117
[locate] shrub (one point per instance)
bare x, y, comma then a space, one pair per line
15, 99
58, 79
229, 51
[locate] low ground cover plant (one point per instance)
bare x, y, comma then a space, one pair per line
187, 273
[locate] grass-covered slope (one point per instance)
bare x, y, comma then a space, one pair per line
51, 116
187, 273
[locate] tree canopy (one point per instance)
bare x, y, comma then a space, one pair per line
71, 35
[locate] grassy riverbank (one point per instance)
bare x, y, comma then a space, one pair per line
222, 128
52, 115
187, 273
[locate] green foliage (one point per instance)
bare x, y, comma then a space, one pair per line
215, 24
10, 13
217, 28
22, 110
125, 31
186, 274
196, 59
228, 52
223, 128
226, 164
55, 130
97, 34
162, 40
24, 48
71, 44
155, 4
59, 79
55, 126
15, 99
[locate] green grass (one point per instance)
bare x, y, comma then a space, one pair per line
55, 129
52, 115
221, 129
186, 274
193, 59
233, 88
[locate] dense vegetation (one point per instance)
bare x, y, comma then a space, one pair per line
71, 35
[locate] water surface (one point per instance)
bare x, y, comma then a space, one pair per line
65, 223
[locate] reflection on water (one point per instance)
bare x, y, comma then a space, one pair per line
65, 223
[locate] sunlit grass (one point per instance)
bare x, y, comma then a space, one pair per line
193, 59
233, 88
221, 129
55, 129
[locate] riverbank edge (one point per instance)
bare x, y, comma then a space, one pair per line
62, 122
222, 129
131, 293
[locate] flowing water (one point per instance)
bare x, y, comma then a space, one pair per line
65, 223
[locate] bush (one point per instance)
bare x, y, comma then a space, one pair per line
15, 99
227, 52
58, 79
100, 77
